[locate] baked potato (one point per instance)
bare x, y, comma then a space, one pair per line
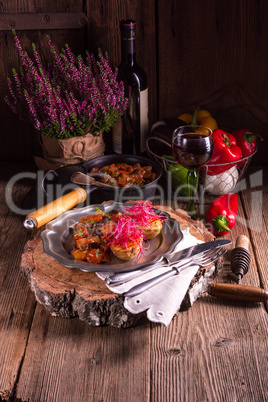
127, 251
152, 229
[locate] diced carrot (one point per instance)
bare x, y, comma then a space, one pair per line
81, 232
87, 240
147, 172
93, 218
122, 180
136, 166
113, 168
79, 254
130, 169
122, 166
95, 255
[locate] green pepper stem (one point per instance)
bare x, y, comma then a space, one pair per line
194, 122
220, 223
249, 136
225, 139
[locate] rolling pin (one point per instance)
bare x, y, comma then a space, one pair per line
55, 208
242, 293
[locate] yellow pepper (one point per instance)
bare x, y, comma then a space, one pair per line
186, 117
200, 117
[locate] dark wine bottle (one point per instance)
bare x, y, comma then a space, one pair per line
129, 135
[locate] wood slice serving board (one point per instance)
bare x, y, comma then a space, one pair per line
68, 292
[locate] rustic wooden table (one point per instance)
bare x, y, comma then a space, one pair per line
216, 351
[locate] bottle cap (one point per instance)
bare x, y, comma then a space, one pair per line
128, 29
128, 23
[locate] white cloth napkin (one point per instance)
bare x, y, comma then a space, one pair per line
163, 300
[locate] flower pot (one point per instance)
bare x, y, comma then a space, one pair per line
70, 151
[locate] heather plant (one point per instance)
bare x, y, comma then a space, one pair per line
67, 97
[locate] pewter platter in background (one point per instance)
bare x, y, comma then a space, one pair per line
57, 239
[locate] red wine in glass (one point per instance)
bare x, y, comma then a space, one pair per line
192, 147
192, 150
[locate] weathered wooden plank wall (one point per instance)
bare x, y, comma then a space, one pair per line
210, 53
215, 54
19, 141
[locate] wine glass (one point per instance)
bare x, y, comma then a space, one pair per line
192, 147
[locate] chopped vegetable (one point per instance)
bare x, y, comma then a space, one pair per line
144, 216
79, 254
95, 255
124, 175
96, 235
143, 212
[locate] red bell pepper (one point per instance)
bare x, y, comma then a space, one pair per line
246, 140
227, 138
225, 150
221, 215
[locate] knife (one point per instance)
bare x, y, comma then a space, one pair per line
184, 255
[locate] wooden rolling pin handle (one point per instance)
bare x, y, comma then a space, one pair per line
55, 208
237, 292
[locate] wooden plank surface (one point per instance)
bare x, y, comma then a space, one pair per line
216, 351
255, 201
67, 360
16, 298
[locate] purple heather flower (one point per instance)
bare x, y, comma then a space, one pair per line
69, 96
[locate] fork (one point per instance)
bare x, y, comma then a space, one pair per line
123, 277
203, 260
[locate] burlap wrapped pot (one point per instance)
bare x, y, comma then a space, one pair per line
70, 151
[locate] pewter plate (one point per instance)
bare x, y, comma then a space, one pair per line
57, 241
